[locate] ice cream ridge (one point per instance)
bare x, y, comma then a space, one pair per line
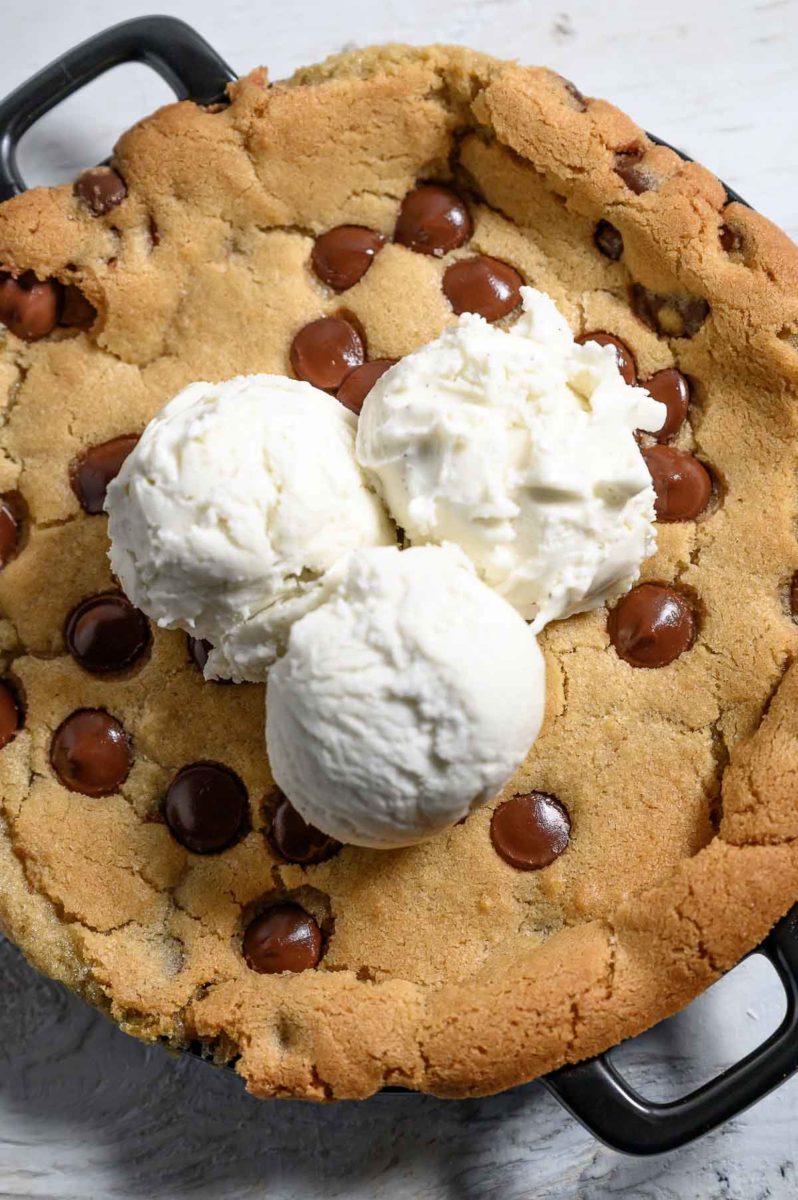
404, 686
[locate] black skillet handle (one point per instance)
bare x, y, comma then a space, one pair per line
614, 1112
181, 57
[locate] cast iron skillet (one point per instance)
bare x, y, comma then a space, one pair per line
593, 1091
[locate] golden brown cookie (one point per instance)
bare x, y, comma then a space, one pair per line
650, 839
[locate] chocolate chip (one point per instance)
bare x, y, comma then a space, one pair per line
628, 164
669, 315
651, 625
29, 307
530, 830
578, 99
198, 649
77, 312
356, 387
90, 753
482, 285
206, 808
297, 841
341, 256
94, 469
672, 389
626, 360
283, 938
432, 220
10, 714
682, 484
106, 633
10, 527
731, 241
608, 240
325, 351
100, 189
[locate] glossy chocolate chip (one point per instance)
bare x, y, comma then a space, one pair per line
29, 307
106, 633
283, 938
94, 469
433, 220
90, 753
206, 808
682, 484
482, 285
651, 625
608, 240
326, 351
10, 527
100, 189
341, 256
77, 312
628, 165
356, 387
672, 389
530, 830
676, 315
10, 714
626, 360
295, 840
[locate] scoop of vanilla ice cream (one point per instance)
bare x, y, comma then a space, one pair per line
519, 447
235, 501
405, 700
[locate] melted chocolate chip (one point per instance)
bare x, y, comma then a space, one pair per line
608, 240
283, 938
206, 808
529, 831
29, 307
628, 164
670, 316
672, 389
77, 312
10, 714
106, 633
651, 625
10, 527
482, 285
356, 387
341, 256
90, 753
326, 351
297, 841
682, 484
433, 220
626, 360
94, 469
100, 189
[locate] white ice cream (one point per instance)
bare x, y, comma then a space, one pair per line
406, 699
519, 447
236, 500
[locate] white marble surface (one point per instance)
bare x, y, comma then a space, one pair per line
87, 1113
